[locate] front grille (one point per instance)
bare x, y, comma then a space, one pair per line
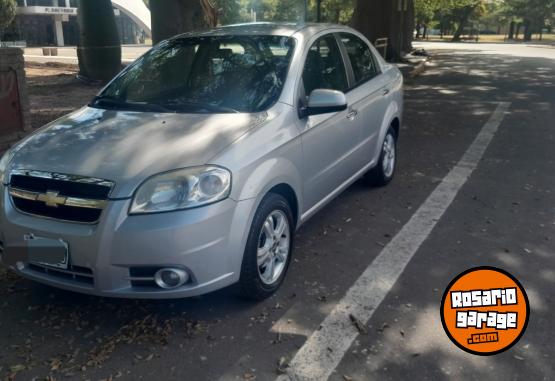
66, 213
59, 196
74, 188
77, 274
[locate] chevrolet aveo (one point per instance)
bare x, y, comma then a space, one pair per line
192, 169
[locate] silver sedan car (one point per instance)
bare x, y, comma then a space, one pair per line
192, 169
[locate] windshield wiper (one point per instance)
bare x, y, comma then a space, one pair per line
172, 106
109, 100
187, 105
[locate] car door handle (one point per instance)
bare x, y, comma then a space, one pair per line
352, 114
385, 92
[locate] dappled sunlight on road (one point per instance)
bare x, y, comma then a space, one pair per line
514, 50
492, 77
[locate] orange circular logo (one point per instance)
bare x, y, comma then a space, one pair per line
485, 311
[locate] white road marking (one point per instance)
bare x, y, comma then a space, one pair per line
325, 348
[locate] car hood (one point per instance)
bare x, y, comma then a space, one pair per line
127, 147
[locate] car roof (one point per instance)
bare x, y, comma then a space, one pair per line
266, 28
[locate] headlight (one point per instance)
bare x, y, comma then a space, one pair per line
4, 164
182, 189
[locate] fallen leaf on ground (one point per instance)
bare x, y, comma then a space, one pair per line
282, 365
358, 324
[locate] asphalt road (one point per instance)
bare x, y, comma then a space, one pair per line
503, 216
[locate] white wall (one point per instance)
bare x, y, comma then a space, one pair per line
137, 11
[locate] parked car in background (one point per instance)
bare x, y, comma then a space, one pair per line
191, 170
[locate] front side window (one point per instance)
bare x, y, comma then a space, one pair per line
324, 68
204, 74
361, 57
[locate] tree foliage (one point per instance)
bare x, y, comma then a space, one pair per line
334, 11
457, 15
375, 18
535, 14
7, 12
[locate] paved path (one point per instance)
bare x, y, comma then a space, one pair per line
129, 53
490, 103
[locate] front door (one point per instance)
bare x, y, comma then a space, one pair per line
329, 141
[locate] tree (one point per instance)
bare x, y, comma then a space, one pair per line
99, 50
228, 11
172, 17
383, 18
277, 10
462, 15
534, 14
424, 11
7, 13
334, 11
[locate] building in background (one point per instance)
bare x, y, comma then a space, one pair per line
54, 22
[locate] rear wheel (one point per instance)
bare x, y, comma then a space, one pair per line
268, 250
383, 172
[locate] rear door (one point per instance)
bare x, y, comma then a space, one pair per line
368, 96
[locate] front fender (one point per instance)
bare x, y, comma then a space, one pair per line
268, 174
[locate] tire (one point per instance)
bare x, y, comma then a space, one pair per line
258, 280
384, 171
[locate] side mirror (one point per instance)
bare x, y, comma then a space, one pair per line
324, 101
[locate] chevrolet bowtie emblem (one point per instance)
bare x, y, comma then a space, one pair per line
52, 198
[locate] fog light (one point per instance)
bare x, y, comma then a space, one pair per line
171, 278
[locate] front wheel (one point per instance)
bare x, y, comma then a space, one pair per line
383, 172
268, 250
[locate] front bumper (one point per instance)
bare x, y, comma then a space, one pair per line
207, 242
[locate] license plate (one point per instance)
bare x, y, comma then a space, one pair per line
47, 251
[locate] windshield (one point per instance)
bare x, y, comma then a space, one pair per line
203, 74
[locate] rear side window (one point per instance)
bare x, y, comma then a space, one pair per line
324, 67
362, 59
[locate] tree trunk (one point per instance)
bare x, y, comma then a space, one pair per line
512, 30
210, 12
465, 14
518, 26
408, 28
99, 50
441, 28
527, 31
425, 32
371, 18
172, 17
382, 18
